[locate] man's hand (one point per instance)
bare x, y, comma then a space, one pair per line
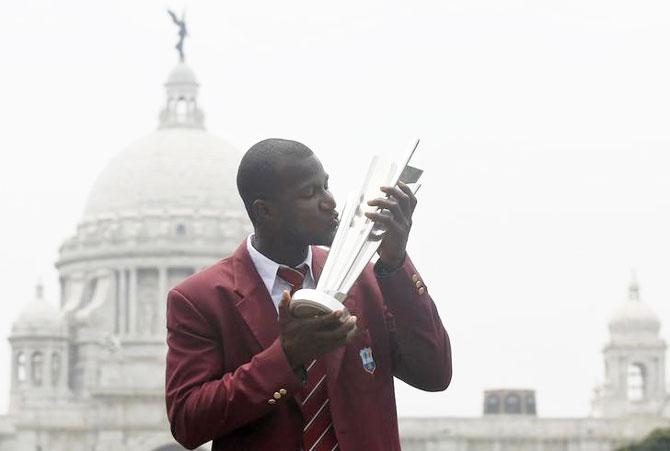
305, 339
400, 203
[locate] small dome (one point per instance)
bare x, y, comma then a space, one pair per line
39, 318
181, 74
634, 315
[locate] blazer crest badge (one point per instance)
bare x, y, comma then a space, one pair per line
368, 361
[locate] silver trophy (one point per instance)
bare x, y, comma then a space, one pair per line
357, 238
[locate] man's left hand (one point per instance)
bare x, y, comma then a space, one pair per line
400, 203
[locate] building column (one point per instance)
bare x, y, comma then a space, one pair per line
14, 379
162, 300
132, 302
123, 302
46, 371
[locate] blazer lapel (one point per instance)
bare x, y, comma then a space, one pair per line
257, 309
332, 360
254, 304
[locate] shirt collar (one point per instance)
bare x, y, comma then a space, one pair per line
267, 268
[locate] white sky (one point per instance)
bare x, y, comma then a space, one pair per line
545, 131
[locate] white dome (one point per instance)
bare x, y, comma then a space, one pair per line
39, 318
174, 169
634, 315
181, 74
170, 193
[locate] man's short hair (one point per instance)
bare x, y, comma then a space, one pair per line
258, 177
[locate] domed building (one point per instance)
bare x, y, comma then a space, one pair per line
90, 375
634, 362
632, 401
39, 340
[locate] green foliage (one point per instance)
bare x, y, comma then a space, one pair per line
657, 440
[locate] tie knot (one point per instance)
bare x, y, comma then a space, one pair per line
294, 276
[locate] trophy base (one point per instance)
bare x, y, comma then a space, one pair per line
307, 303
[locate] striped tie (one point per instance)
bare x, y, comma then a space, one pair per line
318, 433
294, 276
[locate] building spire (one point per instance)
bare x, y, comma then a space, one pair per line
634, 287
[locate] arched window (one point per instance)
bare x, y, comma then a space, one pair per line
56, 365
492, 405
636, 382
512, 404
21, 367
181, 108
37, 368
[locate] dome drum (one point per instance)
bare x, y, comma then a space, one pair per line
153, 234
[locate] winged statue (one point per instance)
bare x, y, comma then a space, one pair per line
181, 23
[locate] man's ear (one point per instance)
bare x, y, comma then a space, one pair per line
262, 211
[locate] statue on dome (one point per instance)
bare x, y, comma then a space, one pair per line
181, 23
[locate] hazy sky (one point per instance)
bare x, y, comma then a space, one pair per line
545, 130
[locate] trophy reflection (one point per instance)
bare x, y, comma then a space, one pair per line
357, 238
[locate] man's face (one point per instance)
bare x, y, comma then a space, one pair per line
305, 209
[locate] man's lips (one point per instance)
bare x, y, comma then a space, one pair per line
335, 221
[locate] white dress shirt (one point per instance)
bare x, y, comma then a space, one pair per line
267, 269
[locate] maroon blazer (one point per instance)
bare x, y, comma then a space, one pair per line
225, 361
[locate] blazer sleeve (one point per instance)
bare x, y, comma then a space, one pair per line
201, 404
420, 344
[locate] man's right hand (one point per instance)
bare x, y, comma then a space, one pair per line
304, 339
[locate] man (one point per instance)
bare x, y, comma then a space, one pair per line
243, 372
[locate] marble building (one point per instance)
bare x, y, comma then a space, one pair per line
88, 375
632, 401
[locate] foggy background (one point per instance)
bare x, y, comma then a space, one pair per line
545, 131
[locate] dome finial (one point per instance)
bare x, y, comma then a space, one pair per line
634, 287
